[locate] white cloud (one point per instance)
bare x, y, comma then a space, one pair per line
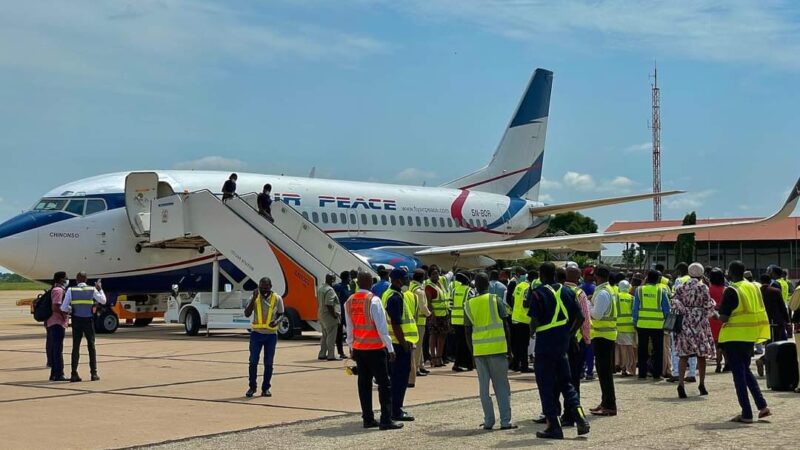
707, 30
688, 201
161, 42
579, 181
639, 148
211, 163
621, 182
550, 184
546, 198
412, 175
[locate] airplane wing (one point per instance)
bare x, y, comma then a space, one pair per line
586, 204
593, 240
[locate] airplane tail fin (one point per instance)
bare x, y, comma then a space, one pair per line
516, 166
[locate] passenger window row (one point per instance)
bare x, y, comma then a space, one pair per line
394, 220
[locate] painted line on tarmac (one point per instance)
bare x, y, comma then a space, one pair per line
230, 402
73, 394
315, 420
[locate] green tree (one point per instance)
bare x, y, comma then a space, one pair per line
572, 223
684, 245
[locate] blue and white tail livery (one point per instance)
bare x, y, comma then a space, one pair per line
516, 166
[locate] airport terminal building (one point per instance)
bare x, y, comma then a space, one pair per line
756, 246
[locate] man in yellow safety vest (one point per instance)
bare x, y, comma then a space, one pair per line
745, 324
650, 307
417, 288
401, 314
555, 318
461, 290
266, 307
521, 322
605, 307
489, 342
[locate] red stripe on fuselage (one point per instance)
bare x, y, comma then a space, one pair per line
495, 178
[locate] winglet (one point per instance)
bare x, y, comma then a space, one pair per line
791, 203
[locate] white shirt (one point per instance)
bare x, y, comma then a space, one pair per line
601, 302
99, 297
378, 317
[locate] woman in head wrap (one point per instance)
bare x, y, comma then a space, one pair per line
692, 300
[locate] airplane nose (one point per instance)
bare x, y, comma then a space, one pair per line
18, 248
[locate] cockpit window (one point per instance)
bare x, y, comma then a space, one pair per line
76, 207
50, 204
95, 206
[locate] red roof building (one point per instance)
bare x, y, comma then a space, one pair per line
757, 246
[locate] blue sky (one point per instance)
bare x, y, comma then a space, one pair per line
412, 91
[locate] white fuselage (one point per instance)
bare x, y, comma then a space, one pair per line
361, 216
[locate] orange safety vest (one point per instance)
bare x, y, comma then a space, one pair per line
365, 334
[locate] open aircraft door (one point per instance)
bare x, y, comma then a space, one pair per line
141, 189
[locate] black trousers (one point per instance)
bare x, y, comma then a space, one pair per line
520, 340
648, 337
83, 327
604, 361
373, 364
55, 350
399, 372
463, 355
553, 377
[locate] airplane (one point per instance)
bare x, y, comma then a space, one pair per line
493, 212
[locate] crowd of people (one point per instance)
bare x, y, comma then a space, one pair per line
568, 323
564, 324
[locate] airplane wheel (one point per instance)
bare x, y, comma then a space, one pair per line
192, 322
290, 326
106, 323
142, 322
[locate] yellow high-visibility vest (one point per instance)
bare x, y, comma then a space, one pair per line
749, 321
263, 320
407, 321
412, 287
651, 316
488, 334
520, 312
606, 327
784, 289
560, 315
625, 317
438, 304
459, 296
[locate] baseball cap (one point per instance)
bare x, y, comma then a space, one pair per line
398, 274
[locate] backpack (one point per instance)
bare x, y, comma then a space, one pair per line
43, 306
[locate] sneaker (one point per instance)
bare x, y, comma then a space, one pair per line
250, 392
266, 393
422, 374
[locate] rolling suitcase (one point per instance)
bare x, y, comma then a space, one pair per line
780, 361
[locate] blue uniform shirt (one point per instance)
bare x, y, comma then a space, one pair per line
380, 287
542, 308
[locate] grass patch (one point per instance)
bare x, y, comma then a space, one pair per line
23, 286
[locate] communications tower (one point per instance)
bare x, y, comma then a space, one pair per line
655, 127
